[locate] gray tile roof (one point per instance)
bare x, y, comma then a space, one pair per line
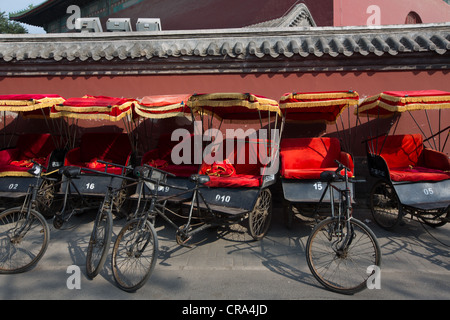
232, 43
298, 16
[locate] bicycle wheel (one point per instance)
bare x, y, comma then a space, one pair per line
385, 206
260, 217
342, 270
99, 243
134, 255
435, 218
23, 239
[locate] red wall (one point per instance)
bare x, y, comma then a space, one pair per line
269, 85
354, 12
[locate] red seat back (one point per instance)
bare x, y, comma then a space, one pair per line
309, 153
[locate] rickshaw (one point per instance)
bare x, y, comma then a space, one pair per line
304, 159
241, 168
108, 153
163, 154
315, 172
18, 154
230, 189
412, 172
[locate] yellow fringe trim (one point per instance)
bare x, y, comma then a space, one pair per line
321, 95
15, 174
159, 115
198, 102
82, 109
29, 105
315, 104
371, 103
97, 116
16, 102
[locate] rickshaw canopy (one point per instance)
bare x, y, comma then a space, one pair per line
163, 106
317, 106
388, 103
30, 105
233, 106
94, 107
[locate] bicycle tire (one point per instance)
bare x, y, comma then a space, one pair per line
19, 253
434, 220
385, 205
342, 272
99, 243
260, 217
132, 266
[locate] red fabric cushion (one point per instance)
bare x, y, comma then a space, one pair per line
99, 167
236, 181
8, 155
219, 169
115, 147
307, 158
33, 146
400, 150
161, 157
418, 174
247, 160
109, 147
309, 173
408, 160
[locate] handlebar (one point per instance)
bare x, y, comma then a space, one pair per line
340, 167
160, 171
140, 174
115, 164
37, 168
328, 176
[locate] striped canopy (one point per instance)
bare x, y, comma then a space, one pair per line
94, 107
317, 106
163, 106
233, 106
30, 105
389, 102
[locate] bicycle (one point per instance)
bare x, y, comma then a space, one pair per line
136, 247
101, 235
24, 232
340, 248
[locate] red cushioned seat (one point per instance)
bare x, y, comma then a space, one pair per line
247, 160
408, 160
307, 158
161, 157
37, 147
94, 146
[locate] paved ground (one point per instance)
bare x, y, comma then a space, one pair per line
227, 266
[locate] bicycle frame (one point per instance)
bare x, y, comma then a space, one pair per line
158, 203
30, 199
345, 205
60, 217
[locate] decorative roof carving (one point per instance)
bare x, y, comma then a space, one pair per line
298, 16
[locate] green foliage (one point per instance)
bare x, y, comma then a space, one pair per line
7, 26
